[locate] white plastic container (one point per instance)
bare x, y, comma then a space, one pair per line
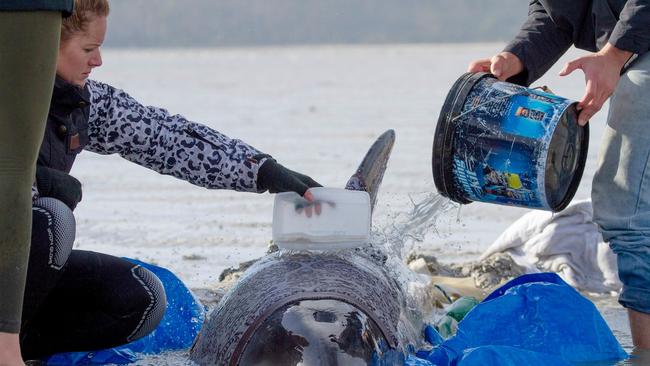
343, 222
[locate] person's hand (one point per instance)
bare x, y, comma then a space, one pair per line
602, 73
503, 66
60, 185
312, 207
276, 178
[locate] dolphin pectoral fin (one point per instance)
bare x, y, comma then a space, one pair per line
370, 173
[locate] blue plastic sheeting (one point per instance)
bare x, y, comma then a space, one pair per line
535, 319
494, 355
177, 329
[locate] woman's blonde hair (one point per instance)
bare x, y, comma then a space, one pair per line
84, 12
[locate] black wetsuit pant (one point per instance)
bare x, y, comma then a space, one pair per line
79, 300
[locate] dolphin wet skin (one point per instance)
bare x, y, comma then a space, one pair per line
314, 308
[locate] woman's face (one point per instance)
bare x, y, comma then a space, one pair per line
79, 54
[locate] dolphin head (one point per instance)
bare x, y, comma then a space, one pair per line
315, 332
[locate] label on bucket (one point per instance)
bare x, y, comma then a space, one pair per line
501, 141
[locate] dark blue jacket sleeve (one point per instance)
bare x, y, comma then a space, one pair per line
632, 31
64, 6
540, 43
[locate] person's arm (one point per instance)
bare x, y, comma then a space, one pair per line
632, 31
603, 69
602, 73
169, 144
172, 145
540, 42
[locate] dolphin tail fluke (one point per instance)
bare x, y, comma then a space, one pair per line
370, 173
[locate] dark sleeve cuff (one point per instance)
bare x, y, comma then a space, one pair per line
632, 31
628, 40
541, 41
43, 180
266, 164
64, 6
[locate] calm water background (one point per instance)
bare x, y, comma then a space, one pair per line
316, 110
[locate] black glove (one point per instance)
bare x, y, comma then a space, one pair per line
57, 184
276, 178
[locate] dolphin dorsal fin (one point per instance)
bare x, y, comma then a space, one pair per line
370, 173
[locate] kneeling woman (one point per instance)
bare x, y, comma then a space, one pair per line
79, 300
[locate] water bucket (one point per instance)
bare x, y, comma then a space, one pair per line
502, 143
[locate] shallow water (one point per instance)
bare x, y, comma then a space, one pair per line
316, 110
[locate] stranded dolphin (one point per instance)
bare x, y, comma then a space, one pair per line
314, 308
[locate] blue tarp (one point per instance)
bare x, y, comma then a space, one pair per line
535, 319
178, 328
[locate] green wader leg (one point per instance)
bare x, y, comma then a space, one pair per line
29, 44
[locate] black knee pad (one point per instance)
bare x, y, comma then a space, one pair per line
53, 230
155, 305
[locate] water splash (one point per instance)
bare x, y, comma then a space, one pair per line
411, 227
398, 237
